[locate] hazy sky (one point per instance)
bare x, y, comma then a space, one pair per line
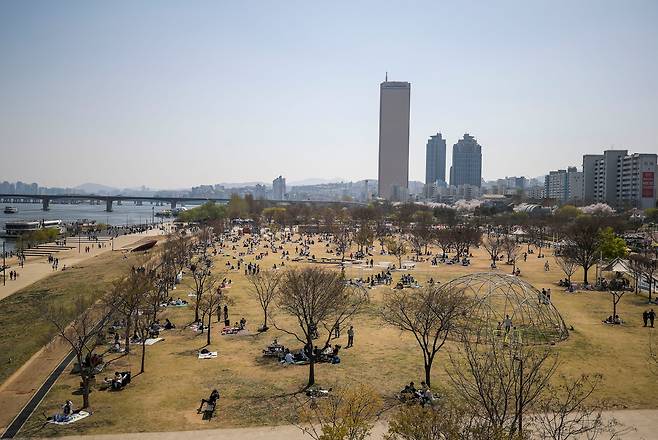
173, 94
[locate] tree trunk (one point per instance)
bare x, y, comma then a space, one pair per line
650, 287
311, 371
585, 269
614, 307
143, 355
85, 382
428, 370
209, 320
127, 350
196, 308
85, 390
265, 319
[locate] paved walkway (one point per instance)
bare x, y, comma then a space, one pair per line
36, 268
645, 422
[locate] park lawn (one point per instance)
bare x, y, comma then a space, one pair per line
256, 391
24, 332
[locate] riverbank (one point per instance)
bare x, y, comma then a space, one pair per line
29, 351
38, 267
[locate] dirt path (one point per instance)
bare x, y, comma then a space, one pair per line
645, 422
16, 391
37, 268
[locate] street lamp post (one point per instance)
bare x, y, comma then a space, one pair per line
520, 405
4, 277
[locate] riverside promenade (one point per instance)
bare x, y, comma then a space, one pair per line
38, 267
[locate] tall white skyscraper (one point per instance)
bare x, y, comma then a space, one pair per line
394, 101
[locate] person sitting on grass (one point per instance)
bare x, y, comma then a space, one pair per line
116, 347
409, 389
211, 401
65, 415
116, 383
427, 397
168, 325
288, 358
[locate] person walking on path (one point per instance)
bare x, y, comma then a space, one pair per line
645, 317
652, 316
350, 337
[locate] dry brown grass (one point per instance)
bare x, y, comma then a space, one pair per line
254, 389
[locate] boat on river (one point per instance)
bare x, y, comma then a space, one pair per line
21, 227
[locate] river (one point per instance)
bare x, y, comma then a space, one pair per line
126, 214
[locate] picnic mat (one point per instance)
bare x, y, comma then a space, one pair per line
209, 355
151, 341
74, 418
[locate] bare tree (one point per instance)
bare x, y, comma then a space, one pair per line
143, 323
511, 249
81, 334
397, 246
649, 270
264, 287
342, 238
567, 264
345, 414
364, 236
563, 412
493, 244
176, 252
128, 293
616, 298
636, 264
583, 240
465, 236
448, 418
210, 302
431, 314
500, 383
422, 232
203, 278
314, 297
445, 239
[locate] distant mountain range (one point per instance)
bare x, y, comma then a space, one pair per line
313, 181
97, 188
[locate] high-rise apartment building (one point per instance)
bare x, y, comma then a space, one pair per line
620, 179
435, 160
564, 185
466, 166
278, 188
394, 104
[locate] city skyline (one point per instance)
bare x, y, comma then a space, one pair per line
172, 93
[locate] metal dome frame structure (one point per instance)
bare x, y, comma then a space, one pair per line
495, 295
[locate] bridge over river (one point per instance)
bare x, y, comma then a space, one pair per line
173, 200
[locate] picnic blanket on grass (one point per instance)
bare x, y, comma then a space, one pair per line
151, 341
209, 355
72, 419
230, 330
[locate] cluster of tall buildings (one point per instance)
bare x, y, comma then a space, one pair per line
393, 175
615, 177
